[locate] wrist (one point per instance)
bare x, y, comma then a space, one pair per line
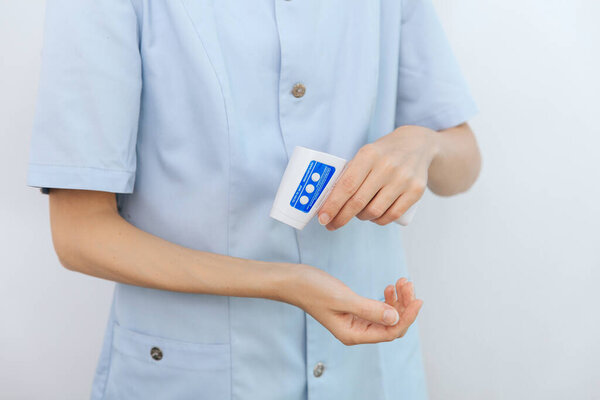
434, 144
429, 139
284, 282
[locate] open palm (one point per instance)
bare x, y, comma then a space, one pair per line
362, 330
355, 319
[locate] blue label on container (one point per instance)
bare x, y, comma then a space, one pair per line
312, 184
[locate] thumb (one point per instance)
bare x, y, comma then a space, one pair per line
375, 311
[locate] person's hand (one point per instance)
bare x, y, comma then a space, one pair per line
383, 179
351, 318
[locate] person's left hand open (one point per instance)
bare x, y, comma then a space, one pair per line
383, 179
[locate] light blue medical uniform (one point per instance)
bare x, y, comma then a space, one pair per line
185, 109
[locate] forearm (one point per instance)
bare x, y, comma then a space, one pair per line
456, 162
90, 237
105, 245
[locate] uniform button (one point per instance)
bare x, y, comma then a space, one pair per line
318, 370
156, 353
298, 90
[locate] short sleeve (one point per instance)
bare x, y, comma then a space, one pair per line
86, 119
432, 91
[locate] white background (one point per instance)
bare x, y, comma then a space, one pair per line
508, 271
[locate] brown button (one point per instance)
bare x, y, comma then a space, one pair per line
156, 353
298, 90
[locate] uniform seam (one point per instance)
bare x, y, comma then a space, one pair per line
405, 17
109, 363
452, 108
279, 86
155, 363
227, 120
288, 156
226, 114
82, 167
279, 116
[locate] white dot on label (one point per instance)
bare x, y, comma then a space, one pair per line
315, 177
303, 200
309, 188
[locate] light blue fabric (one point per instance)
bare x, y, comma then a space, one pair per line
184, 109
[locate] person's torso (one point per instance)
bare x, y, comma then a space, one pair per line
218, 121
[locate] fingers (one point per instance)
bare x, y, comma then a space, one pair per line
399, 206
380, 203
376, 333
406, 305
410, 315
374, 186
390, 295
352, 178
389, 312
362, 199
374, 311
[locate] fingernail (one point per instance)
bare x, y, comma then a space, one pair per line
390, 317
324, 219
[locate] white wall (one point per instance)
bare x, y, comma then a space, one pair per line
51, 319
507, 271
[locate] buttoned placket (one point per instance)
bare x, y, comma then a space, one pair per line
294, 93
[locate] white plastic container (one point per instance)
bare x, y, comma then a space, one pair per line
307, 181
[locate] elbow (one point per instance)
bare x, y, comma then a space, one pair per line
472, 175
73, 218
68, 240
469, 176
64, 249
476, 169
66, 262
462, 169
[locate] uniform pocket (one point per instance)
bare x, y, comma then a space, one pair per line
150, 367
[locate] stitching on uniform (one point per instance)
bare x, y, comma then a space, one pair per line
279, 120
109, 367
405, 17
156, 363
433, 117
228, 181
81, 167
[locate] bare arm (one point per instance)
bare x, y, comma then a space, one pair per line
457, 162
91, 237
